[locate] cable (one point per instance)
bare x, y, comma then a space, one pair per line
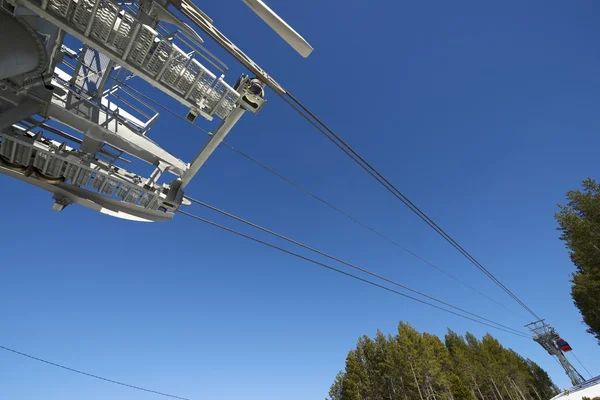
365, 226
390, 187
91, 375
580, 363
348, 150
309, 193
354, 266
359, 160
333, 207
343, 272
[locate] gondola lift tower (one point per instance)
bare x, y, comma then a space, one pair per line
69, 120
547, 337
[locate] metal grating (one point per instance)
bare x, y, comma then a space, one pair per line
175, 66
188, 77
6, 149
48, 165
222, 99
141, 45
109, 187
98, 181
53, 162
60, 7
71, 172
133, 195
122, 36
93, 67
149, 200
104, 20
159, 58
82, 14
128, 193
104, 184
122, 191
77, 175
22, 155
202, 86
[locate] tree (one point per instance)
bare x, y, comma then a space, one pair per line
415, 366
461, 358
542, 385
579, 222
356, 385
337, 389
459, 390
438, 365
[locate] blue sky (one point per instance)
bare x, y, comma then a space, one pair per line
483, 114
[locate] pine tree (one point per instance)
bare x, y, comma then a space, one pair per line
410, 344
415, 366
461, 358
356, 385
579, 222
460, 391
542, 385
337, 389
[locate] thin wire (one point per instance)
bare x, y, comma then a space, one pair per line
309, 193
348, 150
354, 266
365, 226
580, 363
91, 375
343, 272
359, 160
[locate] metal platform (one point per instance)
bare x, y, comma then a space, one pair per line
74, 178
118, 34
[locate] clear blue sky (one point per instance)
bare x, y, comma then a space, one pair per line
483, 113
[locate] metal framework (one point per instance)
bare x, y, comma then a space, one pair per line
546, 336
69, 72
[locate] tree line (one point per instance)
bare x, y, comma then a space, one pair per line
419, 366
579, 222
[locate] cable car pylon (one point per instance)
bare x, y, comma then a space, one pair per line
547, 337
68, 121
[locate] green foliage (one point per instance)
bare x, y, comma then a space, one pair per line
459, 390
542, 384
415, 366
356, 384
579, 222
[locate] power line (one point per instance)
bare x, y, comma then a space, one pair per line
329, 267
91, 375
311, 194
354, 266
303, 111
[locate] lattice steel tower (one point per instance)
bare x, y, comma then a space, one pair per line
547, 337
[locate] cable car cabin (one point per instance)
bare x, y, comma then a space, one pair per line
563, 345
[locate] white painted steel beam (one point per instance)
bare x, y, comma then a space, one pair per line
211, 145
281, 27
114, 134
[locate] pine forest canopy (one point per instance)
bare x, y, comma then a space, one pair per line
579, 222
419, 366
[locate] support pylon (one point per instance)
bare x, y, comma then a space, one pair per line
546, 336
